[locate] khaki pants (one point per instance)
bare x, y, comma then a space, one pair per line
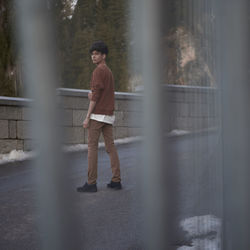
94, 131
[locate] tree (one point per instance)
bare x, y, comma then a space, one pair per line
97, 20
77, 64
9, 85
75, 30
113, 29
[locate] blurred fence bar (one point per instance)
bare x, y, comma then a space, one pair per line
148, 47
37, 48
234, 45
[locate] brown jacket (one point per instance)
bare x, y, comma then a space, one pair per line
102, 87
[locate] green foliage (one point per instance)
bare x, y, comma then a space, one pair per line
75, 31
8, 86
97, 20
106, 20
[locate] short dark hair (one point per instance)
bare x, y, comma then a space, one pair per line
99, 46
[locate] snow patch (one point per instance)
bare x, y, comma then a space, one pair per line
204, 231
75, 148
178, 132
82, 147
128, 140
201, 225
16, 155
187, 248
19, 155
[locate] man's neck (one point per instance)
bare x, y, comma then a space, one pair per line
101, 63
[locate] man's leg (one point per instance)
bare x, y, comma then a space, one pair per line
107, 131
94, 132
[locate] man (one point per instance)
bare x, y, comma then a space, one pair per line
100, 118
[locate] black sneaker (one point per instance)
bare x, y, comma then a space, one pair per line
90, 188
115, 185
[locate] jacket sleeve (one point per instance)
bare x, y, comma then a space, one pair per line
97, 84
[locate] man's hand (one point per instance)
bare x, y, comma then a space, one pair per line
90, 95
90, 109
86, 122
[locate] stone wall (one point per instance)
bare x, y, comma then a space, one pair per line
14, 124
187, 108
15, 118
191, 108
75, 105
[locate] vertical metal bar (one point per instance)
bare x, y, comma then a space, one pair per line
148, 23
236, 117
37, 50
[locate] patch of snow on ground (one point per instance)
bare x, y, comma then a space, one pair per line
83, 147
178, 132
75, 148
128, 140
204, 231
201, 225
16, 155
187, 248
19, 155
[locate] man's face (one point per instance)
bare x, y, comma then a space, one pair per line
97, 57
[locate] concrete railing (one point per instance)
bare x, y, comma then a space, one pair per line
15, 118
192, 108
188, 108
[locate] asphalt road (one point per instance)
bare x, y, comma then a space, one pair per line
112, 219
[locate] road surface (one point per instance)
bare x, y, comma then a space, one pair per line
112, 219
